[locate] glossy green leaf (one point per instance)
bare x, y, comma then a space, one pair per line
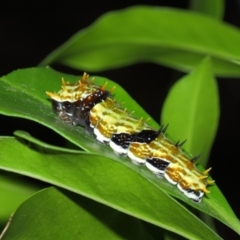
13, 191
42, 145
192, 107
106, 181
213, 8
27, 88
172, 37
57, 214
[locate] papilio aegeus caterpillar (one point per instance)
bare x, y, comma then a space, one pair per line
91, 106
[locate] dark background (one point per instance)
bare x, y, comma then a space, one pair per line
27, 36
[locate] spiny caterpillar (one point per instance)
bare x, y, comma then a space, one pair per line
92, 106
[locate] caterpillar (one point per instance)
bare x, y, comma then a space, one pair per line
93, 107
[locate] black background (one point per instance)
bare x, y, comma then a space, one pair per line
31, 31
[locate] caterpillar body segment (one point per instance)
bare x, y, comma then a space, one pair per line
92, 107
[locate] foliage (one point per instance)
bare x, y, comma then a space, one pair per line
123, 194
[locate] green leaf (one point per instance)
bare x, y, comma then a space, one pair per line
13, 191
192, 108
106, 181
213, 8
172, 37
42, 145
57, 214
27, 88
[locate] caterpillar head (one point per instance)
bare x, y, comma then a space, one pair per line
72, 92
